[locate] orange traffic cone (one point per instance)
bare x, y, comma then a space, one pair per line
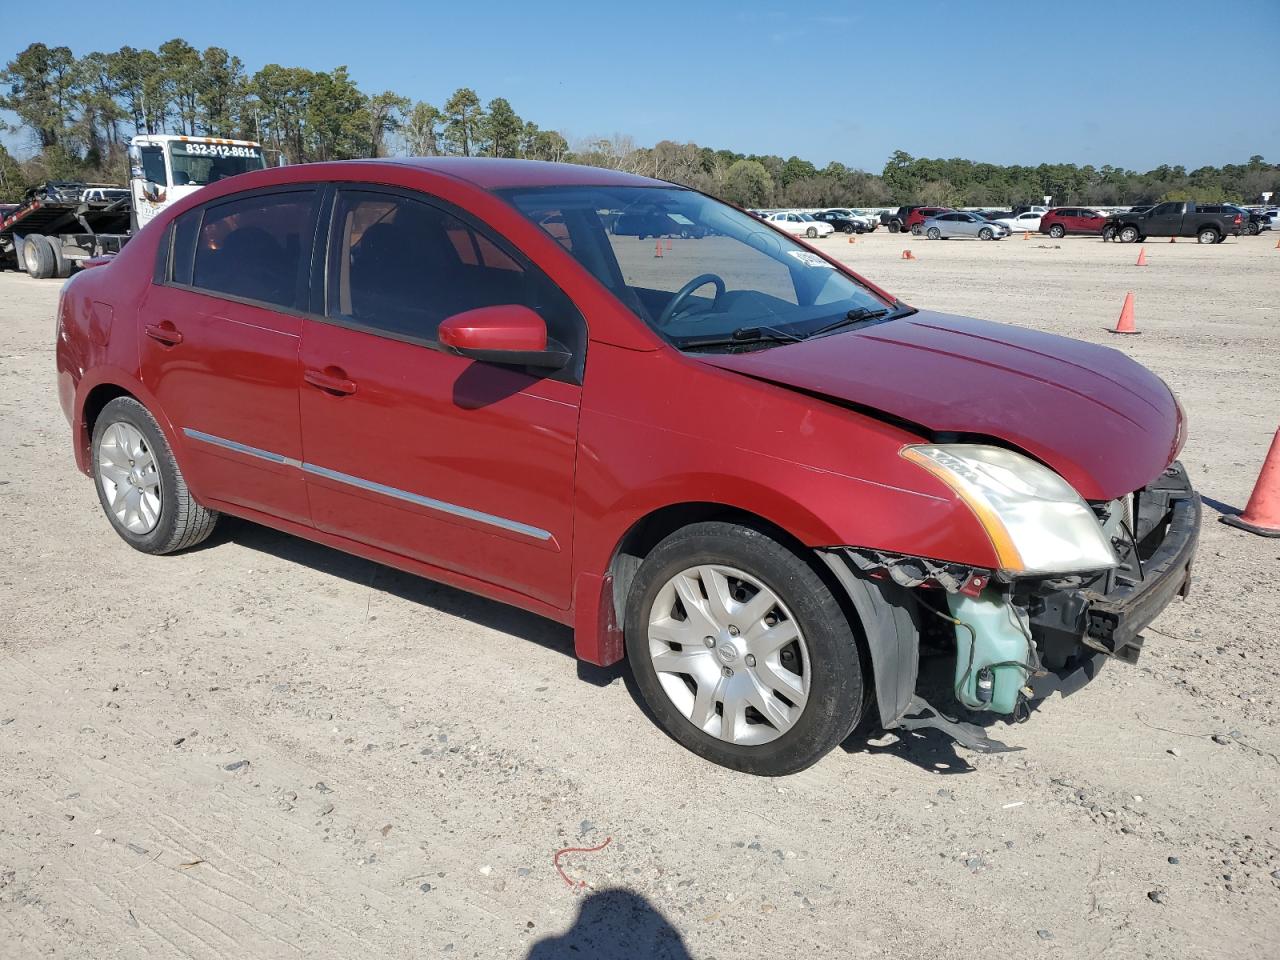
1125, 323
1026, 234
853, 239
1262, 514
1278, 243
657, 247
908, 255
1142, 257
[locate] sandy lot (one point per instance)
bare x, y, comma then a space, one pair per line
263, 748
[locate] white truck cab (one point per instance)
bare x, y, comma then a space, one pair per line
165, 167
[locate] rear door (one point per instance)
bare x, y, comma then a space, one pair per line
458, 463
221, 346
1165, 220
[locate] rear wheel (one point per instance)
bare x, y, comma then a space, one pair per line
1057, 231
140, 487
894, 226
39, 257
1208, 235
741, 651
1253, 229
934, 233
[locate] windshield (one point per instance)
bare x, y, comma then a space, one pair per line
726, 276
806, 217
200, 164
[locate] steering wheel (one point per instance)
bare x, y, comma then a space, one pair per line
673, 306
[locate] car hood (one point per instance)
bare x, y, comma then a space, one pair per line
1104, 422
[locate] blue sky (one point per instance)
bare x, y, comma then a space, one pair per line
1005, 82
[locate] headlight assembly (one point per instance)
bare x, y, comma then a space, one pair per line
1035, 520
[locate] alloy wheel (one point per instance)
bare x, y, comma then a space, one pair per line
130, 478
728, 654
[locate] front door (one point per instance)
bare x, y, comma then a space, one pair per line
458, 463
1165, 220
221, 343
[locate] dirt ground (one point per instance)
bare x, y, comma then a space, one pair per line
263, 748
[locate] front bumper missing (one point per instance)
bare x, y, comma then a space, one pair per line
1109, 614
1072, 620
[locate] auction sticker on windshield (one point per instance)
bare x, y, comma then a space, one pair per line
810, 259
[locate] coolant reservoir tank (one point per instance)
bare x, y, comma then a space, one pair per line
1000, 649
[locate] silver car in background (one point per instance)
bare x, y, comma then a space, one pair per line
957, 223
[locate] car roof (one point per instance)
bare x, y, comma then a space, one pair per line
494, 173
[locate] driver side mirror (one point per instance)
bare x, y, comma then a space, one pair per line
508, 334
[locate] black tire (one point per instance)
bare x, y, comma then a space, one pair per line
1128, 234
1108, 233
1253, 229
894, 226
985, 233
1207, 235
1057, 231
1222, 239
849, 228
62, 266
183, 522
934, 233
917, 229
38, 253
812, 233
837, 697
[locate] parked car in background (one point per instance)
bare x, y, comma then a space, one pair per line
801, 225
957, 223
915, 220
1025, 222
404, 360
896, 221
1061, 221
1255, 221
841, 221
1208, 222
656, 225
861, 222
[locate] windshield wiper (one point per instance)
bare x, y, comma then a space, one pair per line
741, 336
856, 315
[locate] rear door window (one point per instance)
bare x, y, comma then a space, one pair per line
256, 248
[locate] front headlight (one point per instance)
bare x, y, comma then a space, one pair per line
1036, 521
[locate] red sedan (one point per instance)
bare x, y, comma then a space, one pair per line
1060, 221
747, 470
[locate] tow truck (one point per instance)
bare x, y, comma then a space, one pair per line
61, 223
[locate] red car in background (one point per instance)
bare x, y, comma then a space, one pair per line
750, 472
916, 218
1060, 221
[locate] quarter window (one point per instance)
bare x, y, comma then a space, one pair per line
256, 248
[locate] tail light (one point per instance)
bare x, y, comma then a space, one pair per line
1237, 218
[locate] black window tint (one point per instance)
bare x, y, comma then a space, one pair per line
257, 248
401, 266
185, 229
160, 272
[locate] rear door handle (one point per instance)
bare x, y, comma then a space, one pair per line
330, 380
165, 332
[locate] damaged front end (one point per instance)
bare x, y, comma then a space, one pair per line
1019, 632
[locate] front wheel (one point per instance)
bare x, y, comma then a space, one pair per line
985, 233
934, 233
848, 228
1129, 235
1208, 235
741, 651
1057, 231
811, 233
140, 487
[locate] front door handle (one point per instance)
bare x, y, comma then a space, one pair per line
330, 380
165, 332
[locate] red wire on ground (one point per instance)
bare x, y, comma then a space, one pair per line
560, 870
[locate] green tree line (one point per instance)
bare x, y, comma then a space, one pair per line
80, 112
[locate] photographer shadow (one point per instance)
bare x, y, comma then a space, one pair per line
615, 924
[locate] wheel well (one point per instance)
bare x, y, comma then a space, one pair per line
98, 398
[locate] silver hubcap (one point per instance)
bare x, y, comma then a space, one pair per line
130, 478
729, 655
